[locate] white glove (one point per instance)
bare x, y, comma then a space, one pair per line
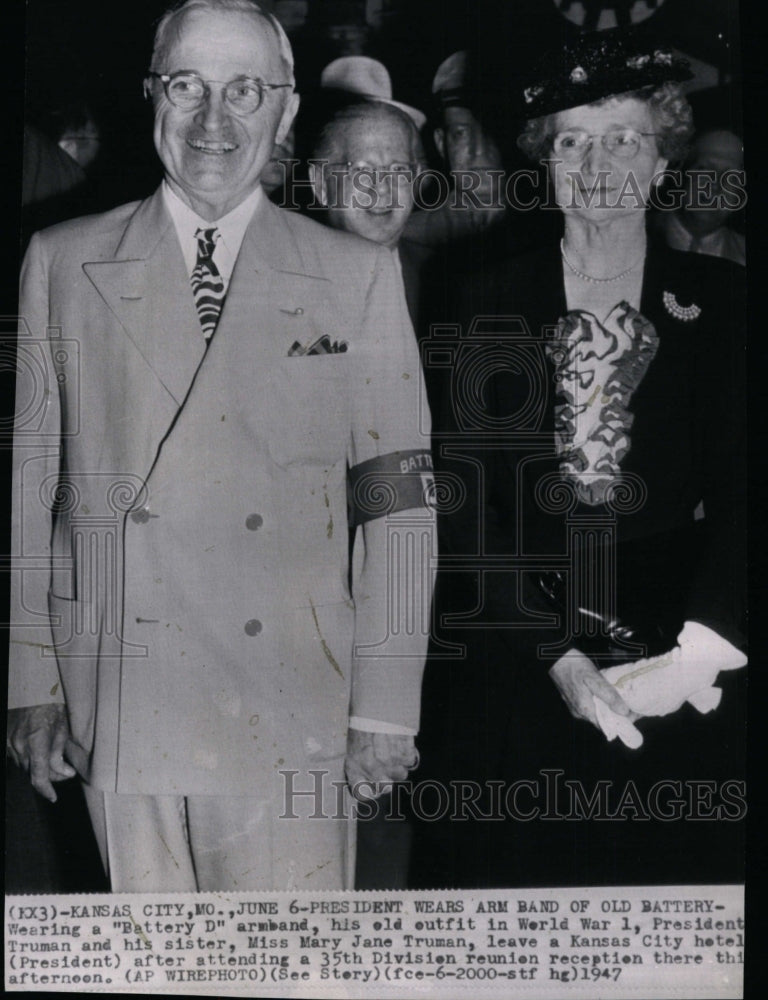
659, 685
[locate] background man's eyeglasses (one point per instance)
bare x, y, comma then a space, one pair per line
188, 91
353, 170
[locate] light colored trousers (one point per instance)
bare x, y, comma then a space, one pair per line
217, 843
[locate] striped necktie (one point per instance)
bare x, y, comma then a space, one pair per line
207, 282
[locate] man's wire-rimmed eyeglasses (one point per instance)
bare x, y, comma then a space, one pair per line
188, 91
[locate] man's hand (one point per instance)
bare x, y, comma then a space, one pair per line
579, 681
375, 760
36, 740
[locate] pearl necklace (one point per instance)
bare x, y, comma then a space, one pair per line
597, 281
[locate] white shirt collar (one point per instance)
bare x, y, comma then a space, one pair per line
232, 227
721, 242
678, 236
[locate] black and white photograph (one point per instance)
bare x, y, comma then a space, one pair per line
377, 466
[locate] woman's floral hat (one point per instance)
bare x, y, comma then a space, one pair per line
596, 65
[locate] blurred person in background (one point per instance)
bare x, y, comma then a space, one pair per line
78, 134
470, 157
713, 189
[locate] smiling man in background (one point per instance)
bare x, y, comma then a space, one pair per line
200, 374
364, 167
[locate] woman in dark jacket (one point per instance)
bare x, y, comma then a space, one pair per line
593, 543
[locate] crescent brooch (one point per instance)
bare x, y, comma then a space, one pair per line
685, 314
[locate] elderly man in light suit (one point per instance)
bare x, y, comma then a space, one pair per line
185, 634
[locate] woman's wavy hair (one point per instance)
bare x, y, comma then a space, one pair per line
672, 117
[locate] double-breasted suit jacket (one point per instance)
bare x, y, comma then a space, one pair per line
192, 502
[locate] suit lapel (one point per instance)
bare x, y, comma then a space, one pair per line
536, 292
664, 275
655, 276
147, 287
274, 294
411, 263
271, 301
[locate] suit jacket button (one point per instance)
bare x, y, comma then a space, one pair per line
140, 516
253, 627
254, 521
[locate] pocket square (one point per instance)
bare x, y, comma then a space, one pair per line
323, 345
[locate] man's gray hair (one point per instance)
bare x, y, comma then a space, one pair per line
329, 141
168, 28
